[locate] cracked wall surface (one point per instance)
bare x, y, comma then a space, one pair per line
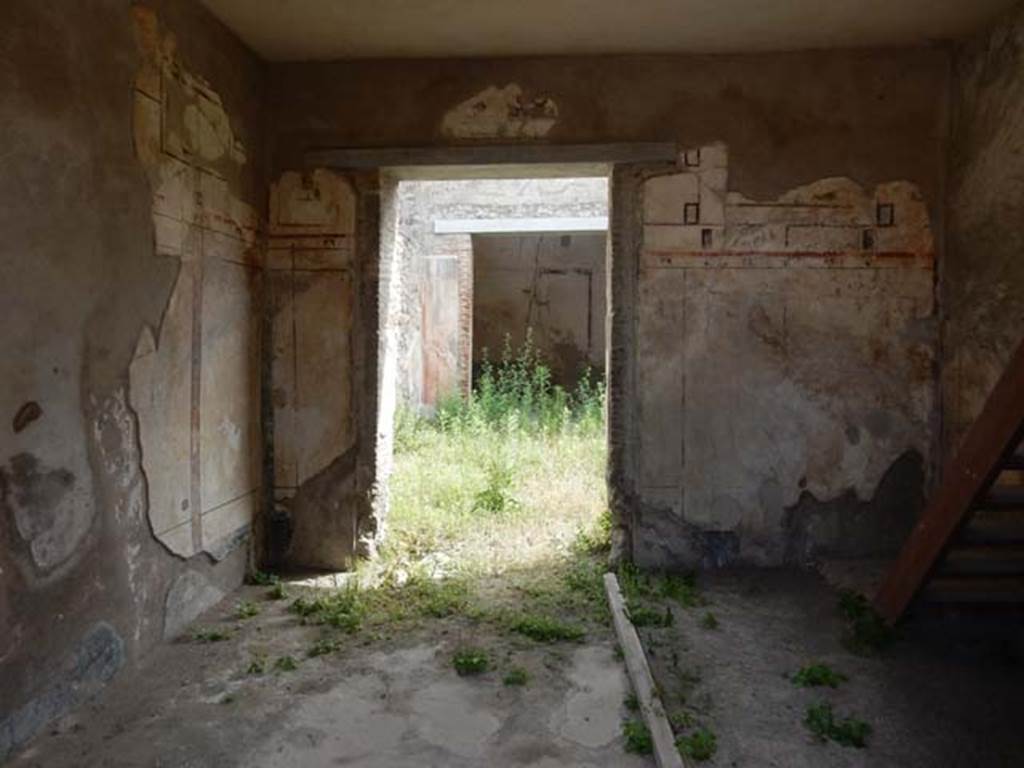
786, 350
982, 280
126, 190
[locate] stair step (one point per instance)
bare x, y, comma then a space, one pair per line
1003, 497
1000, 526
1014, 462
984, 560
961, 589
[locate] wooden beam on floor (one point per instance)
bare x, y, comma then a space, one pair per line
665, 753
991, 439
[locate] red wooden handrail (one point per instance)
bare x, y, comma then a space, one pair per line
995, 434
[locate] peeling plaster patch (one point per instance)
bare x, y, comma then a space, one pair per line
844, 526
194, 380
115, 432
501, 113
47, 505
189, 595
92, 663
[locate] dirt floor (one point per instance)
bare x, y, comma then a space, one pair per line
386, 700
932, 697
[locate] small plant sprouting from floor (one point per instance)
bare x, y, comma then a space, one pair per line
617, 653
849, 732
516, 676
681, 720
710, 621
497, 495
277, 592
323, 647
815, 675
632, 703
343, 609
246, 609
637, 737
257, 666
700, 745
644, 616
470, 661
866, 631
264, 579
547, 630
286, 664
210, 635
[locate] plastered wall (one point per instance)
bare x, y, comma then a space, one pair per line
130, 200
312, 287
773, 337
785, 368
983, 275
550, 285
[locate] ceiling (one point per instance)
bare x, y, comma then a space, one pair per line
296, 30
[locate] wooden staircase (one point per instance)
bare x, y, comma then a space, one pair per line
968, 546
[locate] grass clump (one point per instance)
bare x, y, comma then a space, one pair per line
849, 732
632, 703
277, 592
645, 616
637, 737
816, 675
343, 609
470, 661
481, 477
210, 635
323, 647
286, 664
547, 630
257, 666
516, 676
700, 745
246, 609
264, 579
866, 631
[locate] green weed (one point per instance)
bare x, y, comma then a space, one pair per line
644, 616
516, 676
210, 635
638, 738
632, 703
700, 745
866, 631
547, 630
277, 592
343, 609
814, 675
263, 579
257, 666
323, 646
709, 621
470, 661
849, 732
246, 609
286, 664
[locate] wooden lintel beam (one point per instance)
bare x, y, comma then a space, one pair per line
489, 154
